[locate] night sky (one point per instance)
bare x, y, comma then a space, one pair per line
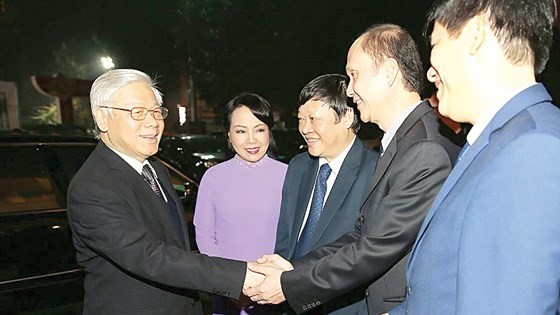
269, 47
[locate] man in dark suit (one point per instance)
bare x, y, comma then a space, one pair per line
490, 242
127, 222
329, 127
386, 75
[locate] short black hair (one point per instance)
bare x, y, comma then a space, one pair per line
331, 89
522, 27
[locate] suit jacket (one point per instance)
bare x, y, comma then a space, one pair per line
339, 214
134, 258
405, 182
490, 243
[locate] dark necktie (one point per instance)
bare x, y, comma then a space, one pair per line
303, 244
463, 151
150, 178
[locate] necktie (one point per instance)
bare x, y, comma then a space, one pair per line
303, 244
463, 151
150, 178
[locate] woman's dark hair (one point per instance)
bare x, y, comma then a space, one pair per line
259, 107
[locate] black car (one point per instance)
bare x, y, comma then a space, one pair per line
38, 269
193, 153
290, 143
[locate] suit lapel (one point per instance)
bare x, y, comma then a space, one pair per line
531, 96
390, 152
172, 197
344, 181
151, 204
307, 182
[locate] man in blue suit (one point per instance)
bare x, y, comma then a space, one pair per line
490, 244
329, 126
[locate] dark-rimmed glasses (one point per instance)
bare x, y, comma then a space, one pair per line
140, 113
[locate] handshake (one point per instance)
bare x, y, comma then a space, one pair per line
262, 281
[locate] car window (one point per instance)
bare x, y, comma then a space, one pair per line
71, 158
24, 181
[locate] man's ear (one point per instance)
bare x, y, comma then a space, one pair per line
100, 117
348, 118
391, 69
475, 32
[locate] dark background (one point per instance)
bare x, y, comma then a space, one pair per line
228, 46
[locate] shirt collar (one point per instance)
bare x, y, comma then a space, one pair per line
390, 134
485, 119
134, 163
336, 163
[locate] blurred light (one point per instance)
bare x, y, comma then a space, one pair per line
182, 114
205, 156
55, 227
210, 163
107, 62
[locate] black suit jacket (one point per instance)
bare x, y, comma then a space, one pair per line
341, 209
134, 258
405, 182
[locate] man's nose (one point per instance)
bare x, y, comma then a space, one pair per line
350, 89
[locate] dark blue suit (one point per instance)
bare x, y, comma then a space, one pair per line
340, 212
491, 241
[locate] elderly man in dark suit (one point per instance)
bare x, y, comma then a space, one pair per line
386, 75
329, 126
127, 222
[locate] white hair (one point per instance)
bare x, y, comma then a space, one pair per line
111, 81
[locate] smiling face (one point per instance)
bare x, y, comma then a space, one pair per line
324, 136
249, 136
448, 73
366, 86
137, 139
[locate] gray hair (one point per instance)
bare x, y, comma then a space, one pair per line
111, 81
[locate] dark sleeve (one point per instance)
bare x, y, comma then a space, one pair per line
388, 232
103, 224
282, 246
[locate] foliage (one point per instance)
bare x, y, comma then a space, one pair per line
46, 114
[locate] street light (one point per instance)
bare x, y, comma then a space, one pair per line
107, 62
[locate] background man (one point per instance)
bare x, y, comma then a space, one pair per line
127, 222
490, 243
385, 79
329, 127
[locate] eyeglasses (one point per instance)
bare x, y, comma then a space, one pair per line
140, 113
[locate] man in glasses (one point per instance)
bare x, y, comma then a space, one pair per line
127, 222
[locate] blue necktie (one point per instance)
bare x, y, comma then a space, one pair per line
303, 244
463, 151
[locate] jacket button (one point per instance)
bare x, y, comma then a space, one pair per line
362, 219
367, 293
408, 290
